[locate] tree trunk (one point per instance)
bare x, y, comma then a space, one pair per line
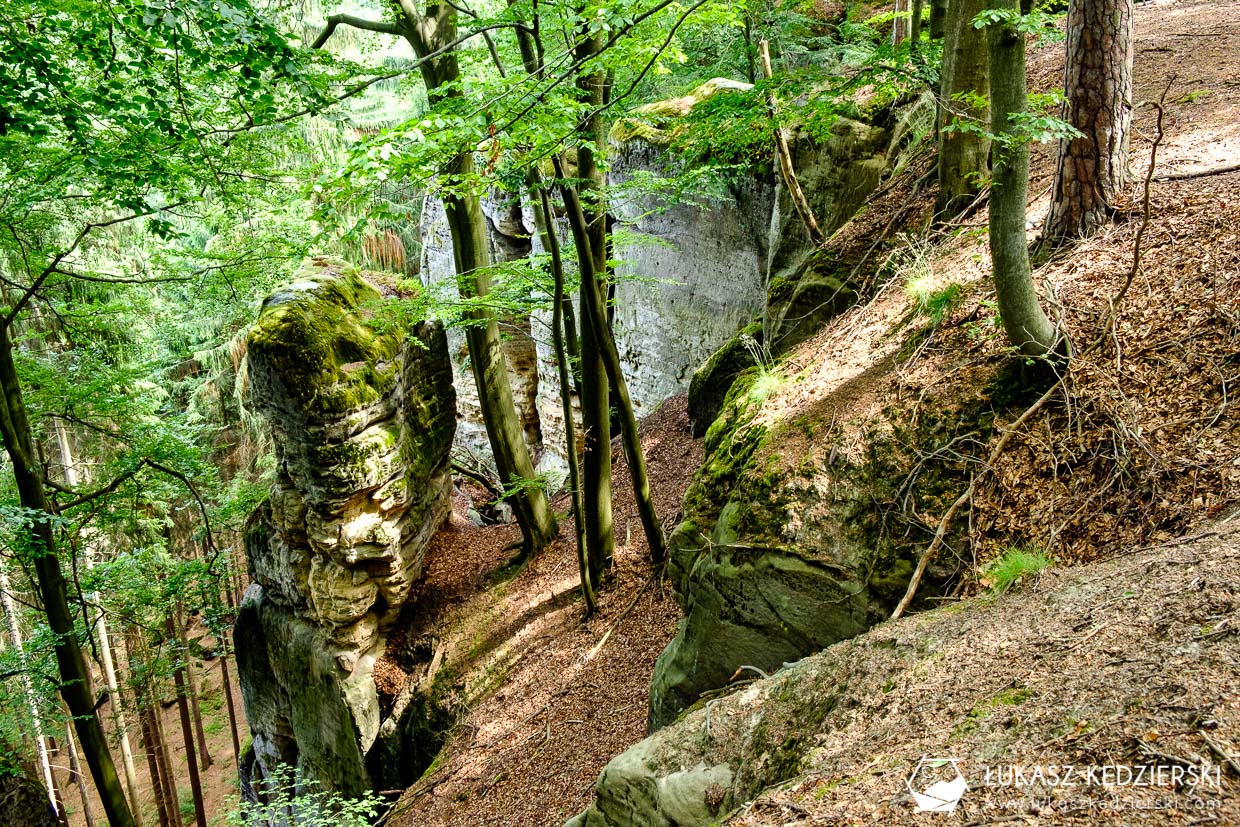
225, 650
149, 739
595, 388
192, 684
187, 732
596, 317
1092, 170
899, 24
938, 19
963, 156
427, 34
915, 23
784, 153
36, 719
544, 220
165, 764
72, 478
75, 772
1028, 329
75, 685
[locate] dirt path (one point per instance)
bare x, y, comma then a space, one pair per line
551, 699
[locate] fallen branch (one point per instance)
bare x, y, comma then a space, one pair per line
1200, 173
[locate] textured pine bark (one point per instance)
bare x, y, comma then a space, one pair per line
1093, 169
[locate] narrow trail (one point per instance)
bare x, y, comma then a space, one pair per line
548, 705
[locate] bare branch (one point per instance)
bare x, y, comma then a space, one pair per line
379, 26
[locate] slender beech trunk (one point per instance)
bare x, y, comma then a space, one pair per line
963, 156
36, 719
595, 315
72, 479
75, 772
1028, 329
784, 154
428, 32
544, 220
915, 24
75, 685
1093, 169
595, 389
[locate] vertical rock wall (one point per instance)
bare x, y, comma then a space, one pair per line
362, 417
691, 275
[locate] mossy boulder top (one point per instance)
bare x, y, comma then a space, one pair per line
312, 349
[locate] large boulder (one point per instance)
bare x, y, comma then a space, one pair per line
780, 553
23, 800
361, 410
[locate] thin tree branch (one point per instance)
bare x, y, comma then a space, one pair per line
378, 26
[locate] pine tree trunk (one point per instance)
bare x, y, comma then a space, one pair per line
165, 764
1027, 327
18, 440
150, 741
963, 156
192, 684
72, 479
233, 726
118, 717
1093, 169
36, 719
187, 729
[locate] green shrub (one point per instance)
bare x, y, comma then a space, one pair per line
1015, 564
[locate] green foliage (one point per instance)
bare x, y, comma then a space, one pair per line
304, 803
1038, 23
1036, 125
1012, 567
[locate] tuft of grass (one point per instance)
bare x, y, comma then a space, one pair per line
936, 305
767, 383
1016, 564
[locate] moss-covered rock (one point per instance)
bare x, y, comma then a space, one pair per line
362, 418
800, 533
711, 382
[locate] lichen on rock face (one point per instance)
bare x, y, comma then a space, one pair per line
362, 422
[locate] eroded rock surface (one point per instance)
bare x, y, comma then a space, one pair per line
362, 416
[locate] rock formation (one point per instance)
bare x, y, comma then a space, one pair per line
362, 415
771, 564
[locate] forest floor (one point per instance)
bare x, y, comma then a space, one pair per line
1091, 675
1150, 436
549, 699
